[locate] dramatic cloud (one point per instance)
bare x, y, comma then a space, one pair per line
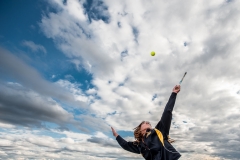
14, 68
25, 143
112, 40
200, 38
21, 106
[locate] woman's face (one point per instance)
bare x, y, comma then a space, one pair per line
144, 127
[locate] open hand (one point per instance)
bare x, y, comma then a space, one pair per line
176, 89
114, 132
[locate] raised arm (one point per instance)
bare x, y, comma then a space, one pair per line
129, 146
165, 121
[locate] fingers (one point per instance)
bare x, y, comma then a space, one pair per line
113, 130
177, 88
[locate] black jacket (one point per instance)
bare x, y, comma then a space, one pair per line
152, 148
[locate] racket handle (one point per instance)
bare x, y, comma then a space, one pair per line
183, 77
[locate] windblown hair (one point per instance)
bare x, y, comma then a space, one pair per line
138, 135
137, 132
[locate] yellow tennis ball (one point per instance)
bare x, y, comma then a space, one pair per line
152, 53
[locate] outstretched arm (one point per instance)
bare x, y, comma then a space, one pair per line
129, 146
165, 121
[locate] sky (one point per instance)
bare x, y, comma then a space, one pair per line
70, 69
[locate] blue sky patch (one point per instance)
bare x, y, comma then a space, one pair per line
135, 33
126, 133
119, 24
96, 10
154, 97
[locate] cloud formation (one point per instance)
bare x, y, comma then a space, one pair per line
21, 106
129, 85
34, 47
200, 38
14, 68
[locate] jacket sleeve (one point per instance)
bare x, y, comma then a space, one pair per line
129, 146
165, 121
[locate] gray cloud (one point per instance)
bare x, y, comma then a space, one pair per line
21, 106
91, 121
11, 66
103, 142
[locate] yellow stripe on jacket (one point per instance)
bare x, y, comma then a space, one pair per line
160, 136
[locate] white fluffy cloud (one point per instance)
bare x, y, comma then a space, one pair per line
25, 143
198, 37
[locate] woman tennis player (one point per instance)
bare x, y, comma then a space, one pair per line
154, 143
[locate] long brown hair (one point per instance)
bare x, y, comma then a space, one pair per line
137, 132
138, 135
